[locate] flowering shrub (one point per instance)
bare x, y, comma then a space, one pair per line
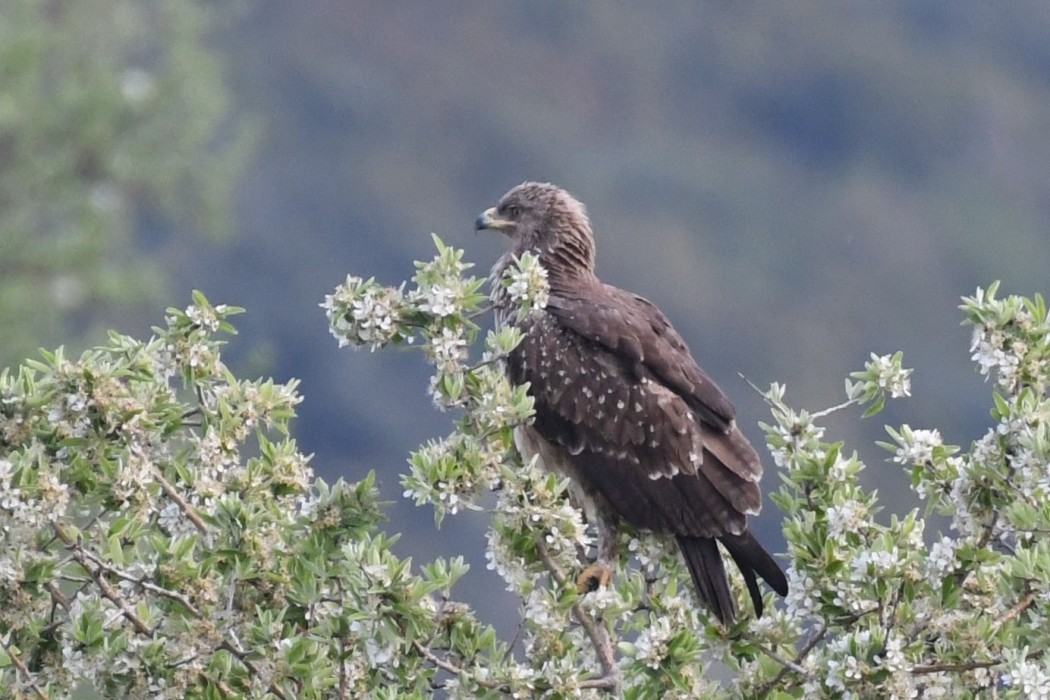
162, 536
878, 607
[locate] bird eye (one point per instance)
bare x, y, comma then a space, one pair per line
513, 211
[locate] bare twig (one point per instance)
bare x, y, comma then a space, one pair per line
481, 311
495, 358
514, 640
922, 669
832, 409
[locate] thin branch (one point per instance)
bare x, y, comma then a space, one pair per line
22, 670
1025, 603
480, 312
514, 640
344, 681
598, 634
610, 683
146, 585
448, 666
181, 502
243, 658
496, 357
96, 573
813, 641
57, 596
817, 414
785, 663
839, 407
96, 568
924, 669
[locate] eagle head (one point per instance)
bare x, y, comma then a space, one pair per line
546, 220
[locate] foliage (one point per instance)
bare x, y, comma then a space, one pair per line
872, 611
110, 120
164, 536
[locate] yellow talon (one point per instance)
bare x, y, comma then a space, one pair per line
593, 577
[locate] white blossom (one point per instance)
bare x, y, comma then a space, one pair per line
803, 590
890, 376
440, 300
918, 446
941, 559
506, 563
204, 317
851, 516
877, 563
892, 658
1028, 674
526, 282
843, 668
448, 350
651, 647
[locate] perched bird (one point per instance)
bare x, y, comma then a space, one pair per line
623, 410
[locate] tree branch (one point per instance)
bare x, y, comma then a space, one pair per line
27, 677
96, 573
796, 665
1025, 603
448, 666
598, 634
181, 502
145, 585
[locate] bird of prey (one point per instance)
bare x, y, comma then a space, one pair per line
623, 410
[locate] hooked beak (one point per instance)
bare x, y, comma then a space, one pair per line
488, 220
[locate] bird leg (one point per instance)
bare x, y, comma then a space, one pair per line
600, 572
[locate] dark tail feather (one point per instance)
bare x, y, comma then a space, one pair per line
709, 575
751, 559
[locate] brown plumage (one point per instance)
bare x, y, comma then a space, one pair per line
623, 409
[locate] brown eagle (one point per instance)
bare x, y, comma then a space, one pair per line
623, 410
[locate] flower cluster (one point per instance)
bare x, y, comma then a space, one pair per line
860, 587
170, 540
363, 312
526, 282
140, 491
882, 375
916, 447
1031, 677
1009, 339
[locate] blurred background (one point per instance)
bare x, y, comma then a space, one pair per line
795, 184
